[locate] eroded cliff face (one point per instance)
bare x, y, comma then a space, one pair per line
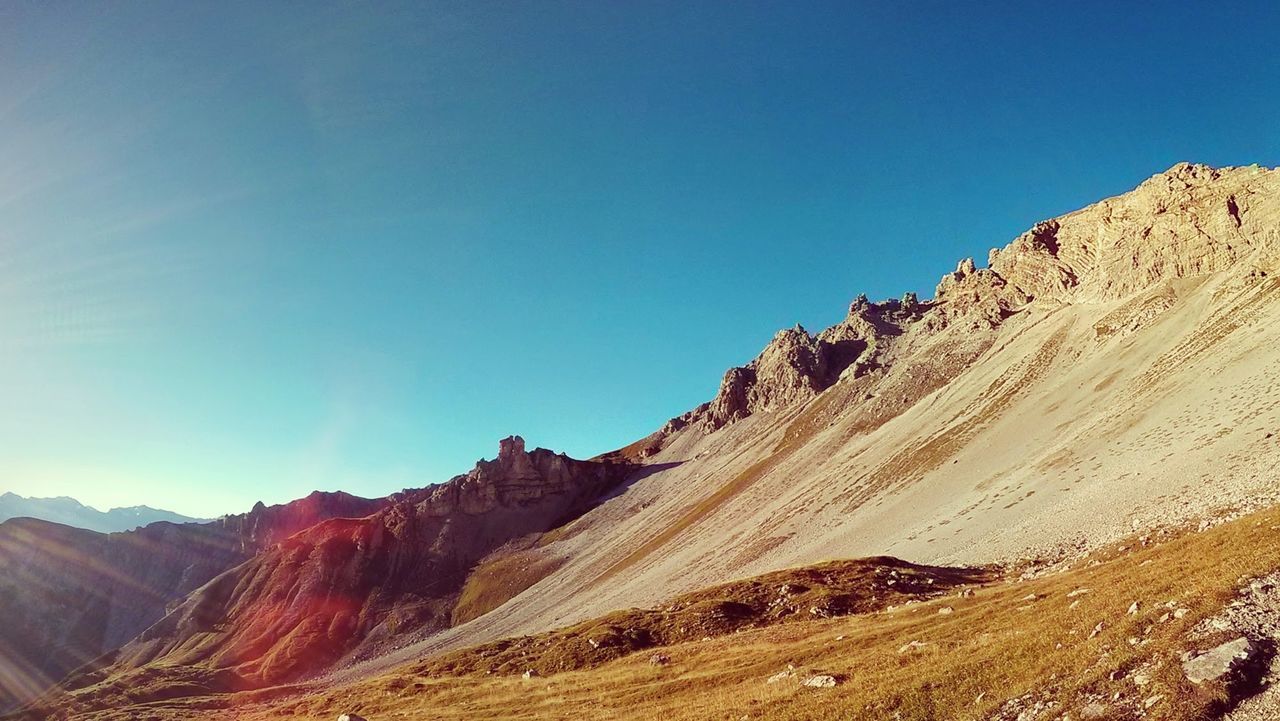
346, 589
71, 595
1188, 221
796, 366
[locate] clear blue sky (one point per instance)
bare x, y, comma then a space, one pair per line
247, 251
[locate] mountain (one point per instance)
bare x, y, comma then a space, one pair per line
70, 595
70, 512
1111, 369
1110, 372
354, 588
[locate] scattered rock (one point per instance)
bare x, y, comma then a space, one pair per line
350, 717
1093, 710
946, 610
659, 659
530, 674
1079, 592
911, 646
1097, 629
789, 673
821, 681
1133, 608
1219, 661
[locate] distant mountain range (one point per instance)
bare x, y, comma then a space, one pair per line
70, 512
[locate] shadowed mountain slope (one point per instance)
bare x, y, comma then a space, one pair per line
70, 595
351, 588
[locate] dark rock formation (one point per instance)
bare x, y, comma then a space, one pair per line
349, 588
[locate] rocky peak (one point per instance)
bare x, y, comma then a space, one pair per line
1189, 220
1185, 175
510, 447
791, 367
514, 479
792, 361
796, 365
977, 297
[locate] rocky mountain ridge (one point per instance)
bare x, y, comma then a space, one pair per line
1094, 372
1105, 252
350, 588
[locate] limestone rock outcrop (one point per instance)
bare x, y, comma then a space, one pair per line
1187, 221
1219, 661
514, 479
796, 366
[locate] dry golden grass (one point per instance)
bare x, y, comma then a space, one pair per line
500, 577
835, 588
997, 645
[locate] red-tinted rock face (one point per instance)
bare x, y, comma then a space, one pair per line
71, 595
346, 588
266, 525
